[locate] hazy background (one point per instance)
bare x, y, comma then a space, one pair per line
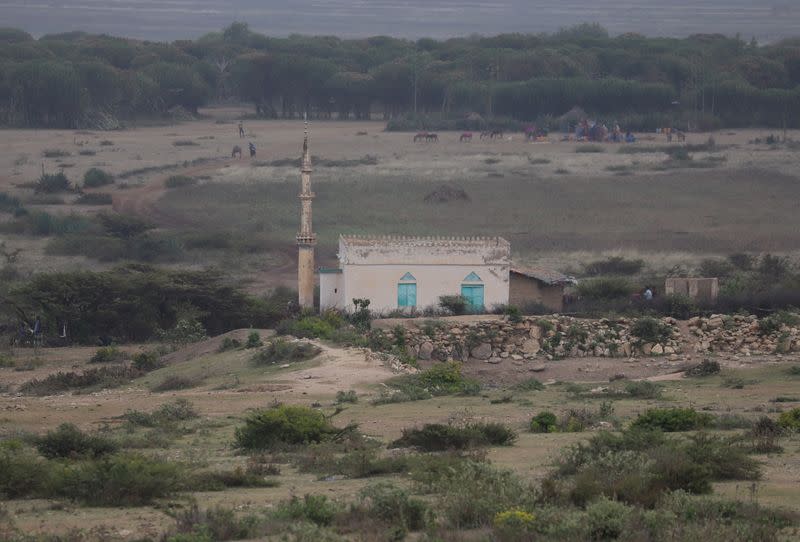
766, 20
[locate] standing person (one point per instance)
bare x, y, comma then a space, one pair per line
648, 294
37, 331
241, 129
252, 150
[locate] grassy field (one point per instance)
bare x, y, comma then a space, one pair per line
229, 385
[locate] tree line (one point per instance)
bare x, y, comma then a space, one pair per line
70, 80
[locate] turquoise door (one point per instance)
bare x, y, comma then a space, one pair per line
406, 295
474, 295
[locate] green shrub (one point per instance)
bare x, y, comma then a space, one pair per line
794, 370
514, 525
147, 361
723, 458
220, 480
679, 306
454, 304
605, 289
186, 331
178, 410
438, 437
179, 181
312, 327
51, 183
119, 480
22, 472
284, 424
184, 143
651, 330
530, 384
440, 379
254, 340
706, 367
9, 204
195, 525
99, 378
393, 505
55, 153
513, 313
95, 177
177, 382
790, 420
642, 389
349, 396
672, 419
108, 354
229, 343
282, 351
607, 519
69, 441
544, 422
317, 509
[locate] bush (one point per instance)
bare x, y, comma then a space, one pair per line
283, 424
69, 441
672, 419
723, 458
312, 327
51, 183
100, 378
441, 379
454, 304
544, 422
317, 509
97, 177
179, 181
439, 437
651, 330
186, 331
790, 420
229, 343
177, 382
119, 480
615, 265
22, 472
283, 351
679, 306
530, 384
167, 414
349, 396
146, 362
253, 340
514, 525
642, 389
55, 153
393, 505
605, 289
108, 354
607, 519
706, 367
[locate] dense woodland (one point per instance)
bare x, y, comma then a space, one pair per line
77, 80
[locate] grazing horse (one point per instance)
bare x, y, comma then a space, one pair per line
431, 137
237, 151
681, 136
466, 136
492, 134
421, 136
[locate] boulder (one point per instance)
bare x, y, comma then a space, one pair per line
657, 350
425, 351
483, 351
531, 346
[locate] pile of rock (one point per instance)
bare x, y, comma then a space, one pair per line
551, 337
743, 335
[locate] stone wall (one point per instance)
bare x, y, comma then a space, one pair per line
742, 335
557, 337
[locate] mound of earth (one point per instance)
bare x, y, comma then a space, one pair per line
210, 346
446, 193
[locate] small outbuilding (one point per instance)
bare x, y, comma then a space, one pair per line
704, 289
529, 285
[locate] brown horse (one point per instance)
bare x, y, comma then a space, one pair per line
432, 137
421, 136
237, 151
466, 136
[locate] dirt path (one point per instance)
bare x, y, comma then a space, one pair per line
141, 200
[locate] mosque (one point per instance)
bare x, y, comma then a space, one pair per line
408, 273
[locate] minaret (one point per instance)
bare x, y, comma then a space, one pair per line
305, 237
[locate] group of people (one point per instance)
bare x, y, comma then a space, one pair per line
30, 334
250, 144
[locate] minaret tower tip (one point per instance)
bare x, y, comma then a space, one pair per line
306, 239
